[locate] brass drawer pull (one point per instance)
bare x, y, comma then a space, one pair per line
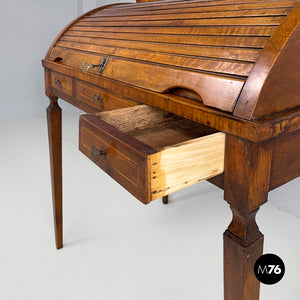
97, 98
85, 66
96, 153
57, 81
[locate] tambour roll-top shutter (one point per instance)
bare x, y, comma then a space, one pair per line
206, 50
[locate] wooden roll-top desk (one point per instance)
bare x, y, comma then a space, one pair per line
182, 91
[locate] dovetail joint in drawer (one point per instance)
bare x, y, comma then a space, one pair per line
151, 152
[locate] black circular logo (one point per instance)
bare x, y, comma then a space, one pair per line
269, 269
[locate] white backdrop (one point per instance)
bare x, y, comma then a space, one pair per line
27, 28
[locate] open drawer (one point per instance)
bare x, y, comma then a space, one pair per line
150, 152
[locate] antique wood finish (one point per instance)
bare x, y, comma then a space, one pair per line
247, 173
61, 83
188, 108
140, 1
217, 181
239, 279
272, 85
246, 183
165, 199
219, 84
285, 162
153, 154
55, 150
101, 99
125, 158
220, 58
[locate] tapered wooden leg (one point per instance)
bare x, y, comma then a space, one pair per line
243, 245
55, 149
165, 199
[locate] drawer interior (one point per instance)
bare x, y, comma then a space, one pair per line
151, 152
155, 127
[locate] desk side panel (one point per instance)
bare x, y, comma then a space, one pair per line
285, 159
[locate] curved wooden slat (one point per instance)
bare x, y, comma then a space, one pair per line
197, 22
195, 9
199, 30
236, 68
205, 51
248, 42
178, 4
226, 90
193, 15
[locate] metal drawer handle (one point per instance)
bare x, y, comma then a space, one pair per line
57, 81
97, 98
96, 153
85, 66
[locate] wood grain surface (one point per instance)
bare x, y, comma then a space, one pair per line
193, 45
220, 80
175, 152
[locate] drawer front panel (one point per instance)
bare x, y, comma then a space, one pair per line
61, 83
120, 161
150, 152
101, 99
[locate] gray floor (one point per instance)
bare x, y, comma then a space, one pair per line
116, 247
